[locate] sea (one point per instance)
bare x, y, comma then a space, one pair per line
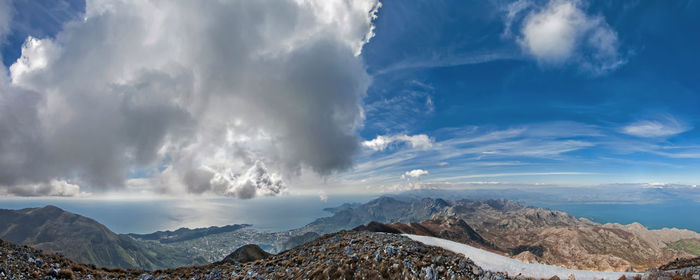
146, 216
683, 214
289, 212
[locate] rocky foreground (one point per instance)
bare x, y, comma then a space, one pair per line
344, 255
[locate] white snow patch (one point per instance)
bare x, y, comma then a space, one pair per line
497, 263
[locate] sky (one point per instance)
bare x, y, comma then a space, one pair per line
247, 99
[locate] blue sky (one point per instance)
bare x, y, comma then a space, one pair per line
452, 94
480, 82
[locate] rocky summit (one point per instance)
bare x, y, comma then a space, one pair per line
343, 255
246, 253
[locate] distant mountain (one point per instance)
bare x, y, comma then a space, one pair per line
510, 226
83, 239
545, 195
529, 234
383, 209
184, 234
342, 207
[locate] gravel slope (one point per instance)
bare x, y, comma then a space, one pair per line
495, 262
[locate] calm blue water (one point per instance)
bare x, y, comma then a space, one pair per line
145, 216
677, 213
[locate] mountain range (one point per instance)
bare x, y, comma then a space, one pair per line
529, 234
341, 255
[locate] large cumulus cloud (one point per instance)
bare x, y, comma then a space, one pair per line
227, 97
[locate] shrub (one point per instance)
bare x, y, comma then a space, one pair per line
66, 274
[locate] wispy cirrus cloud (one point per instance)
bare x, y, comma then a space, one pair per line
437, 61
474, 148
662, 126
528, 154
514, 174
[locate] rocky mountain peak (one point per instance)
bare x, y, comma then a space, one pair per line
244, 254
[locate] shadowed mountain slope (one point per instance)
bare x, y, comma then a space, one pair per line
82, 239
439, 226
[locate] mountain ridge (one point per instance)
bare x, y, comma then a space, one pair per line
526, 233
184, 234
83, 239
539, 235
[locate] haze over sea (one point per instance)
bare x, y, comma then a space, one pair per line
671, 213
282, 213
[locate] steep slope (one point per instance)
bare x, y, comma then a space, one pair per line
82, 239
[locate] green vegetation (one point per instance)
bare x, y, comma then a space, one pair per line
690, 246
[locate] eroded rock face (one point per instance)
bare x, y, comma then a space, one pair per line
678, 269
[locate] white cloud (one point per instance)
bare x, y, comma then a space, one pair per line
552, 34
323, 196
664, 126
561, 32
227, 97
36, 55
415, 173
256, 181
418, 141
